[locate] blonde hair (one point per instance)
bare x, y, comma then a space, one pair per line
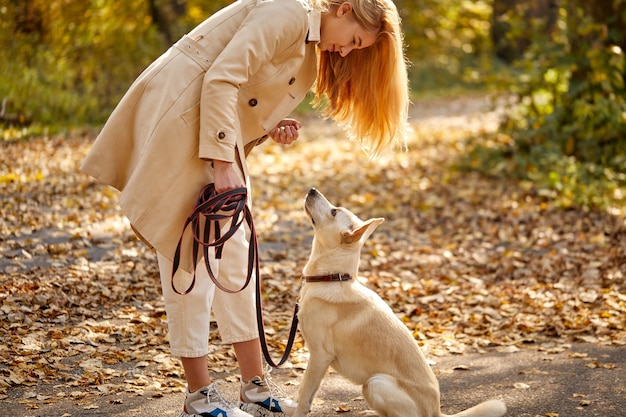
367, 91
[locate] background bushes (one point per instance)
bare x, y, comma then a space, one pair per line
560, 63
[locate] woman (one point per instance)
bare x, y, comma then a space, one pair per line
195, 113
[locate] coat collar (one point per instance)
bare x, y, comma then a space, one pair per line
315, 19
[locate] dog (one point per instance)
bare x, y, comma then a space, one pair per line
349, 327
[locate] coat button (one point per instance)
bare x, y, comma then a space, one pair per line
221, 135
252, 102
293, 80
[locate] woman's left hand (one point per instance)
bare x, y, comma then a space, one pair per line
286, 132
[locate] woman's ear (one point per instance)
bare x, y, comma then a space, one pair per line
344, 9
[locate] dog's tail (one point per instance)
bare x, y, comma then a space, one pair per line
491, 408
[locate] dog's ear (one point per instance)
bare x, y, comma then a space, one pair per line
364, 230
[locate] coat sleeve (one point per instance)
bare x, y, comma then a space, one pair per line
269, 29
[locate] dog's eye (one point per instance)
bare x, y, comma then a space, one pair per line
333, 212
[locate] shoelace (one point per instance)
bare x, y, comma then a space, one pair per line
275, 394
271, 385
213, 394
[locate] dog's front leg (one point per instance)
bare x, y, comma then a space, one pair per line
315, 371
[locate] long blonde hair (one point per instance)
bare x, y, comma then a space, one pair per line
367, 91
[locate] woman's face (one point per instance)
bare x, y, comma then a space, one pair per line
341, 33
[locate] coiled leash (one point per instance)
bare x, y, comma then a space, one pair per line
210, 209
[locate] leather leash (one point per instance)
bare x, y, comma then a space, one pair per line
210, 209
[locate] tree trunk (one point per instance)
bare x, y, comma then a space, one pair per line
602, 12
165, 15
607, 12
161, 22
29, 17
179, 7
509, 49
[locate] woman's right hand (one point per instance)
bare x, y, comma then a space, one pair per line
225, 176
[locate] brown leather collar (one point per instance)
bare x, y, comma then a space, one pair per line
328, 278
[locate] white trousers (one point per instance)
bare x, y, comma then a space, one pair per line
189, 315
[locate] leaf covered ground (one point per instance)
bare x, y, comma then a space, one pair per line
468, 263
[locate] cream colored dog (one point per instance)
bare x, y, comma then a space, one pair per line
349, 327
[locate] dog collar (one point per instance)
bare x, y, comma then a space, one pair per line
328, 278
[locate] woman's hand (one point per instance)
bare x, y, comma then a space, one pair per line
285, 132
225, 176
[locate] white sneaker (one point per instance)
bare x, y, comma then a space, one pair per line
263, 398
208, 402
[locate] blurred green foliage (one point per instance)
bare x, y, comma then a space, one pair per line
67, 62
448, 44
64, 61
566, 129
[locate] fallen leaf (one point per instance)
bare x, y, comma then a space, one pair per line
343, 409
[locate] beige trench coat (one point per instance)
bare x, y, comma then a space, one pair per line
216, 92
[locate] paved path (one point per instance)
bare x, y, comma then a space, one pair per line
583, 380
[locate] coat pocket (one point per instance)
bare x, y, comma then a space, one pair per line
191, 115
